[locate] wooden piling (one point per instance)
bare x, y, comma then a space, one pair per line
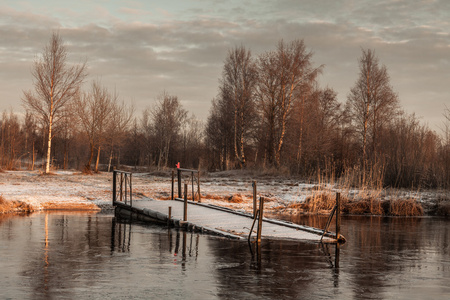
185, 202
131, 189
198, 187
179, 183
254, 198
173, 183
169, 216
121, 187
114, 186
192, 180
338, 216
261, 214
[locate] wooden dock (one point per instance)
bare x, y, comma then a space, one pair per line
217, 220
208, 218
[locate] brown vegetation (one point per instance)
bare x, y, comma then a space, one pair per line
73, 206
323, 203
14, 206
236, 198
405, 207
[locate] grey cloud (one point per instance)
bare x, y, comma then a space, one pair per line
185, 56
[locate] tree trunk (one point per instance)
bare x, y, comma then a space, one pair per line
110, 158
91, 156
49, 144
34, 158
98, 158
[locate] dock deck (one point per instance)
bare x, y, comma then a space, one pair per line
217, 220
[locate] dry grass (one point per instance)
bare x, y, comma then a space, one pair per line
319, 202
405, 207
236, 198
73, 206
14, 206
323, 203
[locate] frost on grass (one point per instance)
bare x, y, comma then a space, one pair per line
74, 191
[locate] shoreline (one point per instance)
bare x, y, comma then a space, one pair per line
31, 191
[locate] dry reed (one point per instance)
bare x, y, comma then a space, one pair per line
405, 207
14, 206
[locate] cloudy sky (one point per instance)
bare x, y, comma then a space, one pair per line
142, 48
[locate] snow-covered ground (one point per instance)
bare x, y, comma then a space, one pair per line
73, 190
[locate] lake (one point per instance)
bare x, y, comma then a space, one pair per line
65, 255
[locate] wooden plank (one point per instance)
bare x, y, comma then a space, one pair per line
222, 221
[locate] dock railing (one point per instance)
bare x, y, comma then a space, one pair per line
122, 187
194, 179
335, 211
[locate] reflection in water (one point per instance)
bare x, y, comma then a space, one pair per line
121, 232
97, 256
46, 263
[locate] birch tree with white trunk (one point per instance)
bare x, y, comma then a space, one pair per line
56, 83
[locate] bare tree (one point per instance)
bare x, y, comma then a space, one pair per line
219, 134
120, 120
283, 75
94, 110
146, 128
55, 84
11, 140
238, 86
168, 116
371, 102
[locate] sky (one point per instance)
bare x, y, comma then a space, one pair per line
141, 49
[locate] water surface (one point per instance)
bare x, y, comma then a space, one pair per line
93, 256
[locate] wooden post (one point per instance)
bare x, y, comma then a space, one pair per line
125, 176
192, 179
336, 256
131, 189
261, 214
179, 183
185, 202
121, 186
254, 198
170, 214
198, 187
338, 216
114, 187
173, 182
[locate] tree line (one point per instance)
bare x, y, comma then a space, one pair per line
270, 113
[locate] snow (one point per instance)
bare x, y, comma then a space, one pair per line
72, 189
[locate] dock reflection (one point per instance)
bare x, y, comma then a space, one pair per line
177, 242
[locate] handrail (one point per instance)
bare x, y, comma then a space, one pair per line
197, 179
253, 224
122, 190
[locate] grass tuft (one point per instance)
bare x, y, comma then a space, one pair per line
14, 206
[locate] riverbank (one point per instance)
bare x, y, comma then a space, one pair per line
27, 191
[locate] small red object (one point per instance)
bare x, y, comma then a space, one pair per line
178, 165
